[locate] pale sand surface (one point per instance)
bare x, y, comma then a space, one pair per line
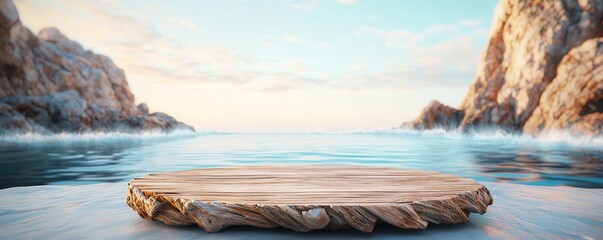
99, 211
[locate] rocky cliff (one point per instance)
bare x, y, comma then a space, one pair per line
542, 70
50, 84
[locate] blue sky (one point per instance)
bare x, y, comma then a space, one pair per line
278, 65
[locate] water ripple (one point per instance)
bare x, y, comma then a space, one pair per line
66, 159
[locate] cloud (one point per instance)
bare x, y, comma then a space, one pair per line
291, 39
347, 2
136, 46
108, 28
470, 22
441, 28
308, 6
401, 38
455, 57
188, 24
398, 77
449, 61
454, 27
393, 38
323, 45
185, 23
359, 67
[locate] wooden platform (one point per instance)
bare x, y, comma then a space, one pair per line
304, 198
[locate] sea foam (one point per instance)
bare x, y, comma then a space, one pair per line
494, 135
100, 137
489, 135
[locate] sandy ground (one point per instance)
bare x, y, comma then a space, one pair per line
99, 211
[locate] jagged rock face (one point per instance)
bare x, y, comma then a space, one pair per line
574, 99
50, 82
528, 40
522, 58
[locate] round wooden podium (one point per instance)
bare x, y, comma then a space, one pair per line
304, 198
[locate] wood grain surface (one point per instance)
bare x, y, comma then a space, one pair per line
304, 198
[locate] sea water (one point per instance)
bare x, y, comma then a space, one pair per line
553, 160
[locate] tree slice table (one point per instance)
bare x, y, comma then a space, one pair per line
304, 198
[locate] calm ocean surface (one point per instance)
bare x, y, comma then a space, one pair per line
70, 160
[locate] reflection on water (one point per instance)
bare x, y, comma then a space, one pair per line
527, 162
553, 167
41, 165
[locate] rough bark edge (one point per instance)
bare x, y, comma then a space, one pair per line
213, 216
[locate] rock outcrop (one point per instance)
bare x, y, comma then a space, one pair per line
437, 115
50, 84
541, 70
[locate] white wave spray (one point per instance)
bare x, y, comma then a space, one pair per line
560, 137
100, 137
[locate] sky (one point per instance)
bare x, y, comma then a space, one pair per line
278, 65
